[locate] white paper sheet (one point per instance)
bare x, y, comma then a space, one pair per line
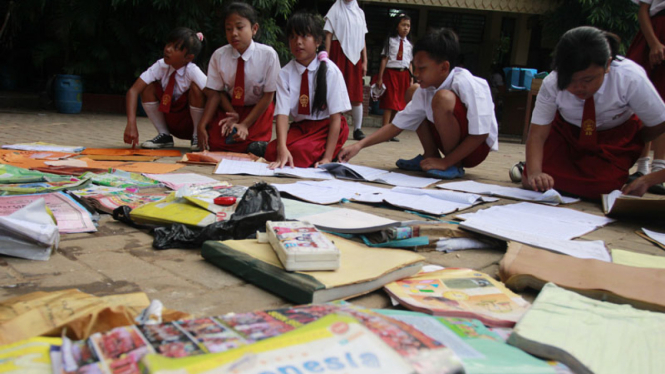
176, 181
261, 169
346, 220
660, 238
425, 201
549, 197
540, 226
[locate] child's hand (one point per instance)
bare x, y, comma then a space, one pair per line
638, 187
228, 123
322, 161
242, 132
283, 158
131, 135
202, 134
348, 153
541, 182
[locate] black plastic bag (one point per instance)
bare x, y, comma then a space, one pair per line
259, 204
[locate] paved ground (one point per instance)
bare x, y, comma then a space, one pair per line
119, 259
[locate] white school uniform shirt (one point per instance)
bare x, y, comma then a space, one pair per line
656, 5
625, 90
261, 70
288, 91
161, 71
393, 48
474, 93
346, 22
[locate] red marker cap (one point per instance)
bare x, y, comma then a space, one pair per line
225, 200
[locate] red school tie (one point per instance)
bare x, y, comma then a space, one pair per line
303, 100
588, 133
167, 96
400, 51
238, 98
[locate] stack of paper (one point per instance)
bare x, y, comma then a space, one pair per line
654, 237
176, 181
591, 336
30, 232
70, 215
41, 146
368, 174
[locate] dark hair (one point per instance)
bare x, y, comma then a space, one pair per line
244, 10
304, 23
441, 45
580, 47
393, 31
184, 38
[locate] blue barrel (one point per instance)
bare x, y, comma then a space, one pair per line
68, 91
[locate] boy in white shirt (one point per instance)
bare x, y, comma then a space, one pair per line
451, 111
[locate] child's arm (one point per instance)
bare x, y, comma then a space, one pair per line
538, 181
242, 127
383, 134
212, 101
331, 141
656, 48
463, 149
283, 155
131, 99
650, 133
640, 185
382, 69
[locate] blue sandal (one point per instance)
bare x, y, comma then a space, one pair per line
450, 173
412, 164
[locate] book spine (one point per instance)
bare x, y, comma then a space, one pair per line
296, 287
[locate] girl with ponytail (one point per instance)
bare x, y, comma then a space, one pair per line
312, 91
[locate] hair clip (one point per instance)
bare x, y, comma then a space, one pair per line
199, 35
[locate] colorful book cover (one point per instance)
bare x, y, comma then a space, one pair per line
462, 293
334, 343
28, 356
70, 215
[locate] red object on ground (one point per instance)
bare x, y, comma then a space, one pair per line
225, 200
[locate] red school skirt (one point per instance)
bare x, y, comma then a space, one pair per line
178, 119
591, 172
479, 154
306, 140
353, 74
396, 82
261, 130
639, 52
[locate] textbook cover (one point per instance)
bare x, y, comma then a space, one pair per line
462, 293
334, 343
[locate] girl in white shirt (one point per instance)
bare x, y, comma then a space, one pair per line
242, 79
395, 69
171, 93
311, 90
345, 29
585, 132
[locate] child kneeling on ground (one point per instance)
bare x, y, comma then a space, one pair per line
171, 93
451, 111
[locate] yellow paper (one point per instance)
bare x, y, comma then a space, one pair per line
27, 356
628, 258
46, 313
173, 210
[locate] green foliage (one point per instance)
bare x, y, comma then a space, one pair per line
616, 16
110, 43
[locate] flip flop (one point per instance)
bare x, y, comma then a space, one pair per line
412, 164
450, 173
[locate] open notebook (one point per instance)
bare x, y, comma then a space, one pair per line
367, 174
